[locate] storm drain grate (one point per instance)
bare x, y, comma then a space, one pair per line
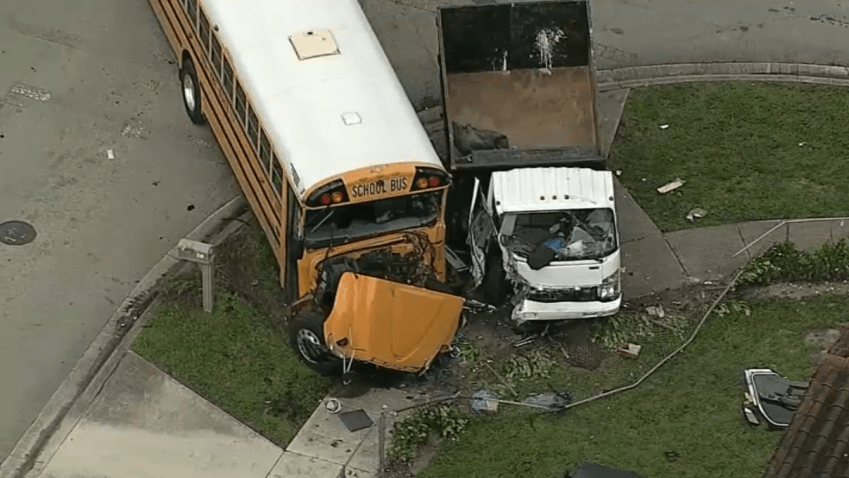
16, 233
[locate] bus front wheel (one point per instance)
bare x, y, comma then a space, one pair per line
306, 335
190, 88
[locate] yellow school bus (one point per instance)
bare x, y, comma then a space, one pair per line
334, 162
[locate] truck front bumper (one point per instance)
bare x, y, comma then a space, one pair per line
529, 310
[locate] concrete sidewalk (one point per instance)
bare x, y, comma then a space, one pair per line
144, 423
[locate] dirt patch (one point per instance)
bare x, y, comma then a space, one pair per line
794, 291
823, 339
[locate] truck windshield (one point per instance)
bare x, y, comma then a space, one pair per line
573, 235
342, 224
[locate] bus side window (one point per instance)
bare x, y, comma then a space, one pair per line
227, 81
276, 175
193, 13
203, 37
216, 56
265, 152
252, 127
241, 101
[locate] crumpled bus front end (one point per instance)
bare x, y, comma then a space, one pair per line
392, 325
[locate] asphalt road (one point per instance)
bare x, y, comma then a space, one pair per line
79, 78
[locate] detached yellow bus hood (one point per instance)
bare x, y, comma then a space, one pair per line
390, 324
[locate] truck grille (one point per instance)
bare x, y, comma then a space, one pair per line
580, 294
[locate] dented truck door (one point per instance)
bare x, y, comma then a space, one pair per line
480, 231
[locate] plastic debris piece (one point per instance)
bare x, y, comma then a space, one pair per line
332, 405
696, 213
110, 154
551, 400
630, 350
356, 420
656, 311
671, 186
484, 401
664, 126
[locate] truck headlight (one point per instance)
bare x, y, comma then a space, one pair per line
609, 288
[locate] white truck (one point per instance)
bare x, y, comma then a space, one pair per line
520, 103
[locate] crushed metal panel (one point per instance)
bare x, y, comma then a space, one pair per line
313, 44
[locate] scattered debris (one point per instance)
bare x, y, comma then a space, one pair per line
554, 400
356, 420
664, 126
132, 130
619, 172
499, 377
332, 405
696, 213
484, 401
671, 456
629, 350
467, 138
802, 143
671, 186
656, 311
110, 154
475, 306
770, 397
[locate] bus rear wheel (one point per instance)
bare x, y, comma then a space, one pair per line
190, 88
306, 335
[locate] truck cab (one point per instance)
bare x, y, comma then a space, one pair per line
552, 235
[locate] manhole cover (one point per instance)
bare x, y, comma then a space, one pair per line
16, 233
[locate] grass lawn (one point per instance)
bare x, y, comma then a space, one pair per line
237, 357
235, 360
746, 151
684, 421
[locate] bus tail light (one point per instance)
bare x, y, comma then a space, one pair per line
427, 178
332, 193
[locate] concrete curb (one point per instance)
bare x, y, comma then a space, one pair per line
69, 402
656, 75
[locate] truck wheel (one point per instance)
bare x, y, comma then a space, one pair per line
495, 286
306, 335
190, 86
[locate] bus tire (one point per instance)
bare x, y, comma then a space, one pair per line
306, 336
190, 88
495, 286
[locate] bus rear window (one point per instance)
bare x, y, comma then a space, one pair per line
357, 221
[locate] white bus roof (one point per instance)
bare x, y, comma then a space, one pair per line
301, 103
552, 189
